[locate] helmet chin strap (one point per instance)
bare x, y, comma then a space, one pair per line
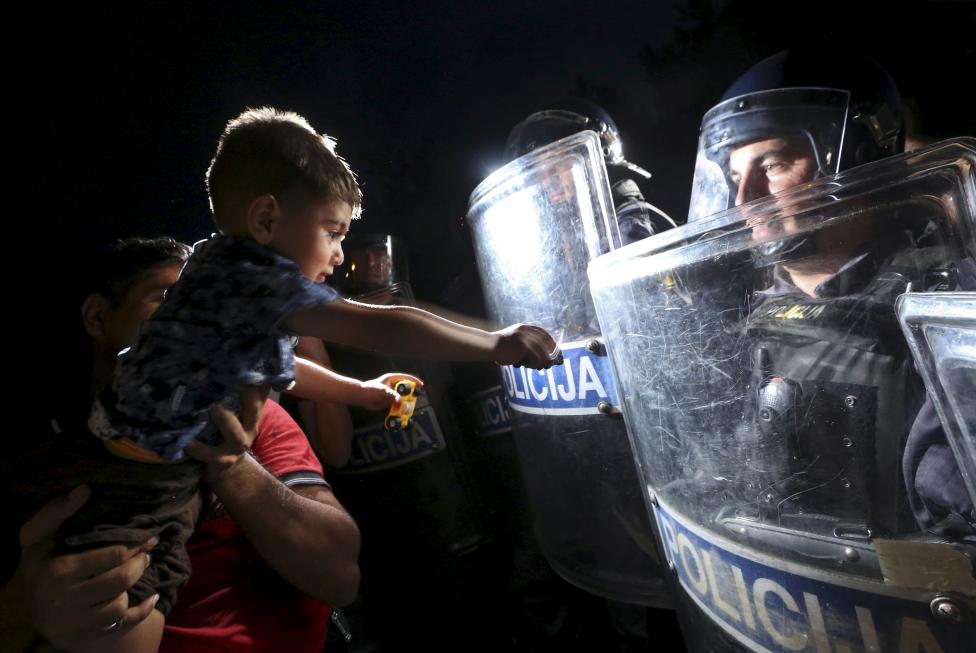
633, 167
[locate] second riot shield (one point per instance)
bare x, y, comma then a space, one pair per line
941, 333
536, 223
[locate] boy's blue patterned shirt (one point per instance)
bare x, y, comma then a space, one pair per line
218, 330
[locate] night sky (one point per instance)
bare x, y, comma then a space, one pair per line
115, 110
131, 99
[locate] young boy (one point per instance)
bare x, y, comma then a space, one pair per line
283, 202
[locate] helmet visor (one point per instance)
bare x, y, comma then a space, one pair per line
807, 124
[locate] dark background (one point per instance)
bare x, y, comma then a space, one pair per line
114, 110
120, 107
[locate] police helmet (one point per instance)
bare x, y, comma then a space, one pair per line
544, 127
372, 262
845, 106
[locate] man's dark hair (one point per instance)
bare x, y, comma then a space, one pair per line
130, 260
267, 151
110, 270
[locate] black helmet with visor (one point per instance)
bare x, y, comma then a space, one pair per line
846, 109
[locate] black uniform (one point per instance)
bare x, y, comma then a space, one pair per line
834, 393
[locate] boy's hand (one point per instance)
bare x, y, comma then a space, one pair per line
528, 345
378, 393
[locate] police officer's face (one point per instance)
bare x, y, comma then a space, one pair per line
769, 166
371, 266
558, 184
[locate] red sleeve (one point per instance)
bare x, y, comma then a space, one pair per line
234, 601
281, 446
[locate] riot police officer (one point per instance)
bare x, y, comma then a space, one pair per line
771, 401
427, 536
790, 119
636, 217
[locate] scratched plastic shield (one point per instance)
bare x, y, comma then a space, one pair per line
775, 411
536, 223
941, 331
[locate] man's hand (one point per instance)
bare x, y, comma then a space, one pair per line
528, 345
72, 599
238, 434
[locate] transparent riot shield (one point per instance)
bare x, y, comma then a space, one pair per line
769, 393
941, 332
536, 223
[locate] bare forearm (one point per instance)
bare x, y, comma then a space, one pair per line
315, 382
404, 330
396, 330
312, 544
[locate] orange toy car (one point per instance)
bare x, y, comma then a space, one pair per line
401, 414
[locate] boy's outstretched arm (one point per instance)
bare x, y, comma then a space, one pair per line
315, 382
329, 393
409, 331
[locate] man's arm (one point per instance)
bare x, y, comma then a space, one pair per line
409, 331
304, 534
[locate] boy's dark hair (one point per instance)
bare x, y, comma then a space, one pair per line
270, 151
129, 260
